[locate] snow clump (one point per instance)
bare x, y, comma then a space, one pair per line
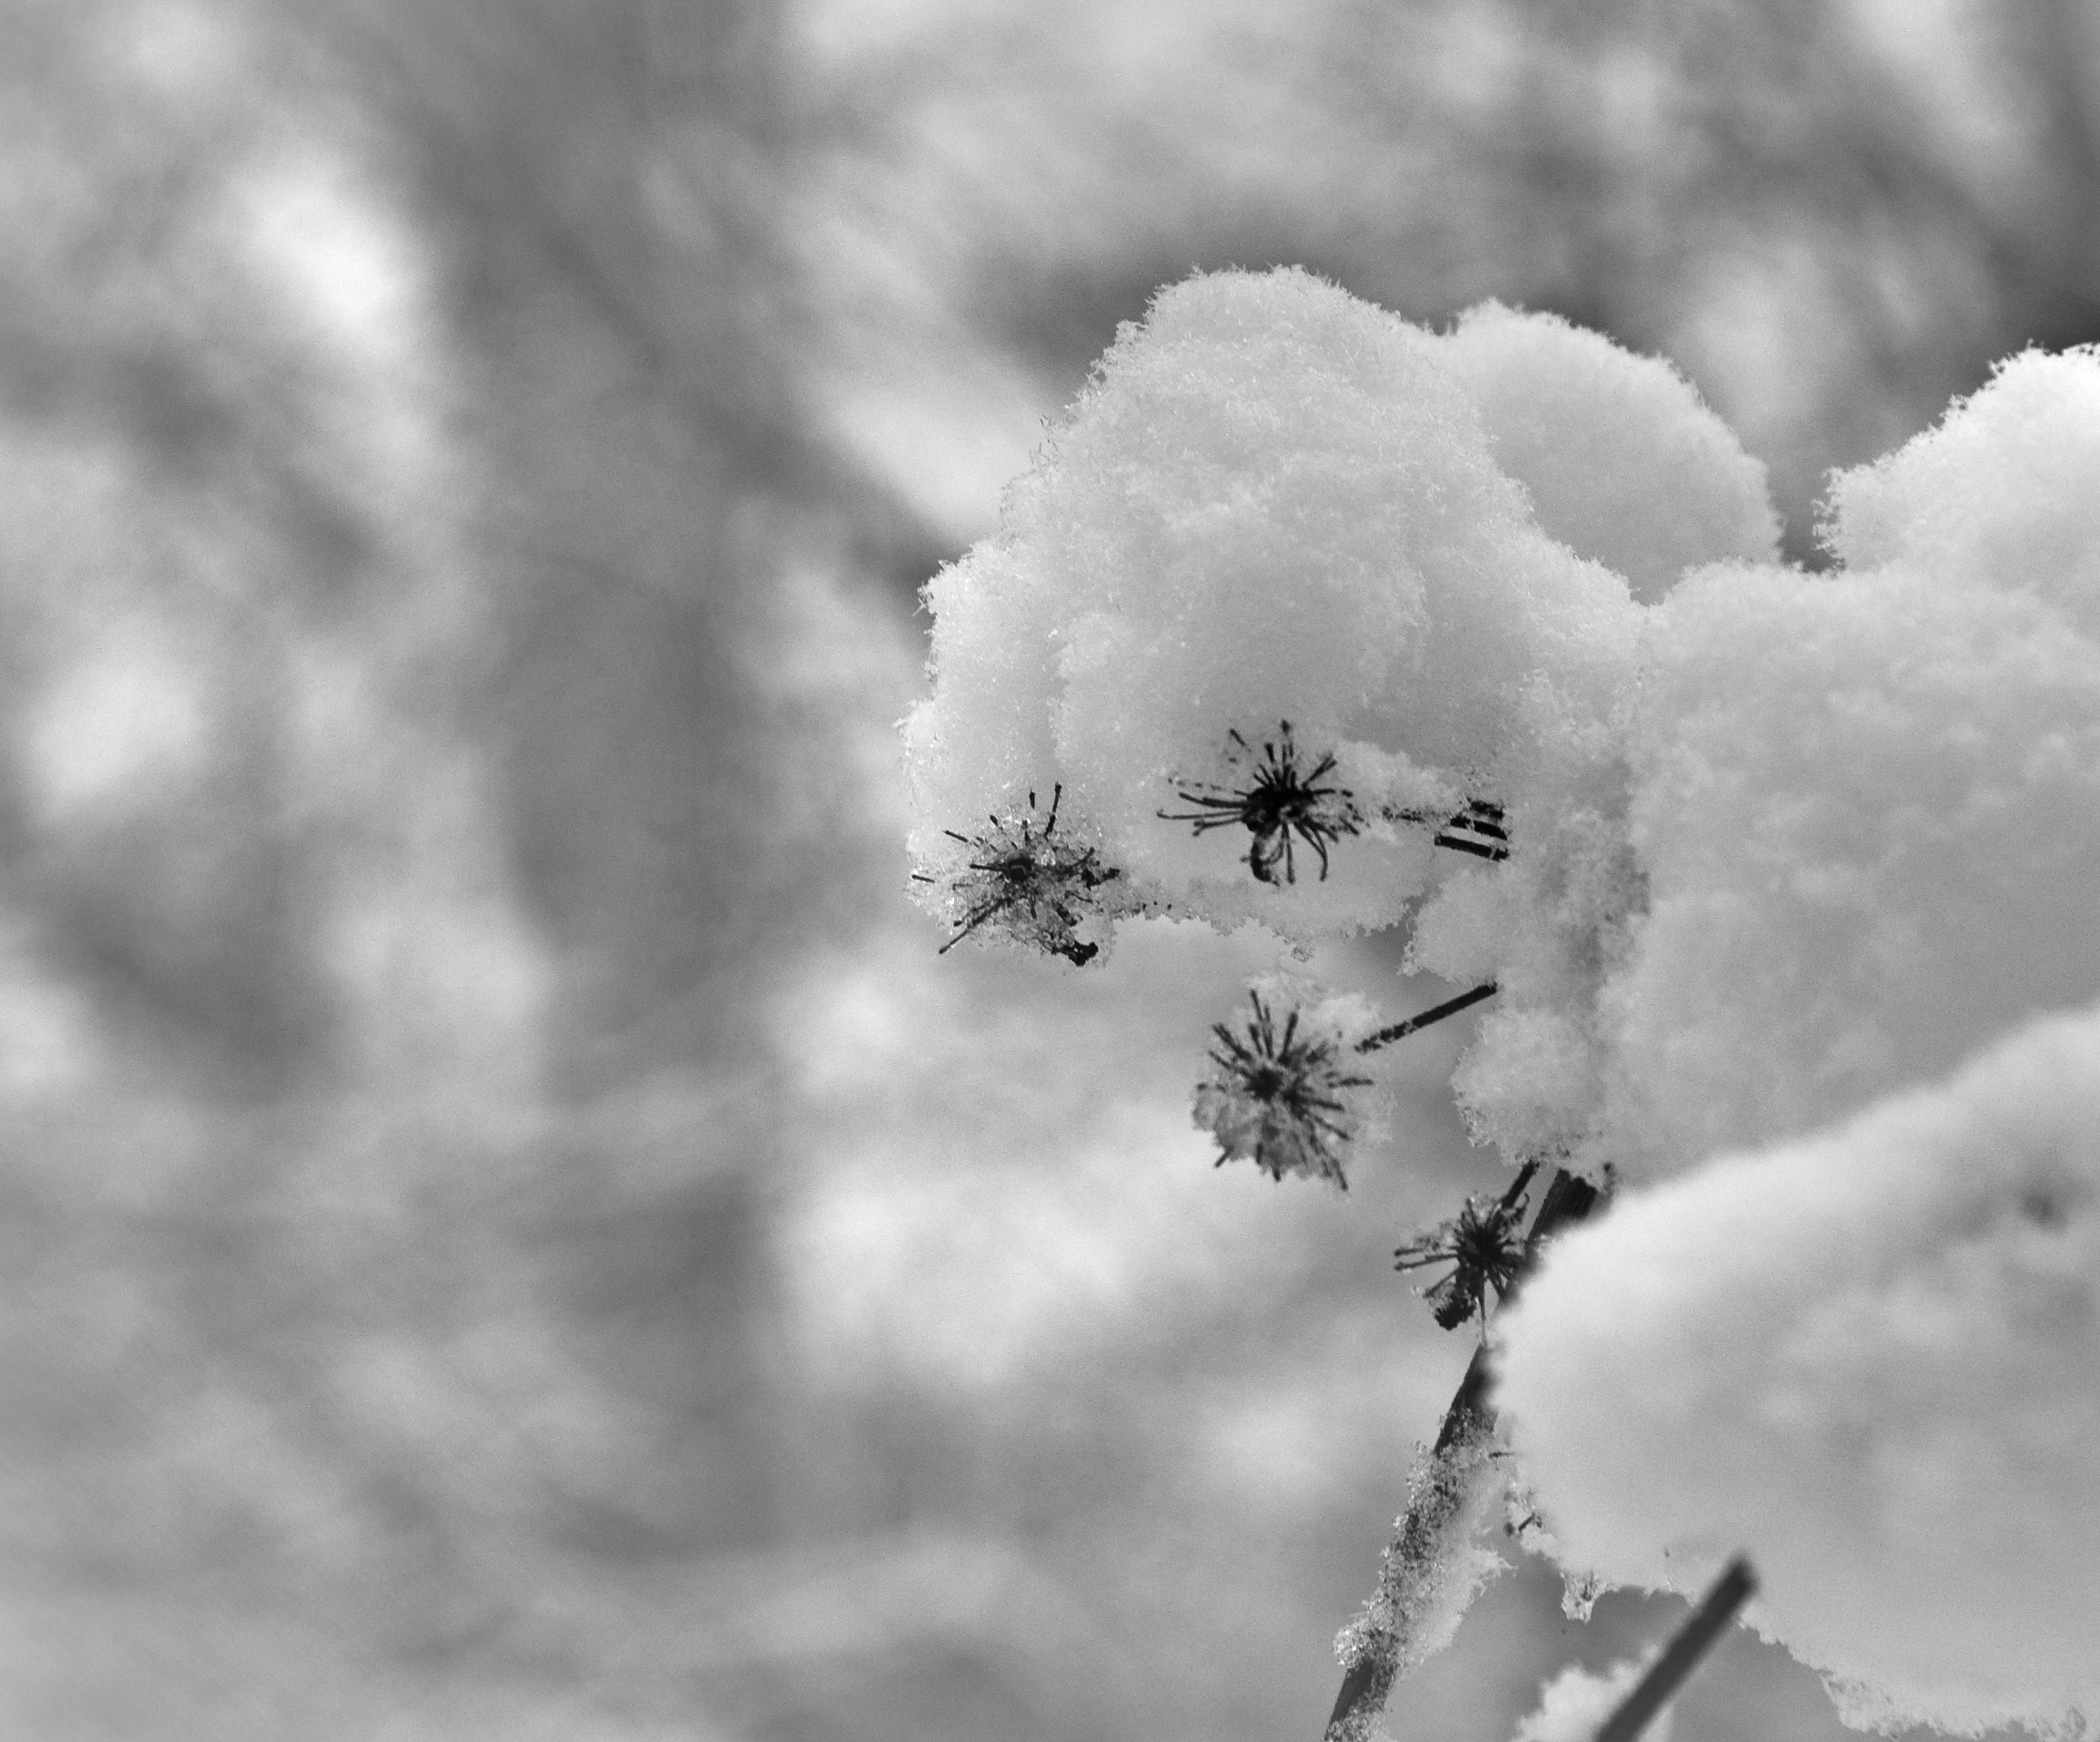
1838, 832
1310, 616
1277, 504
1573, 1706
1604, 441
1866, 808
1868, 1357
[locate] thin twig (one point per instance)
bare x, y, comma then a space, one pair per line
1734, 1588
1478, 848
1372, 1670
1450, 1007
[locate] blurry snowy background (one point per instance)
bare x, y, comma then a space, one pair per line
509, 1230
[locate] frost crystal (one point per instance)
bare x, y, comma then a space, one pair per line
1283, 1095
1277, 799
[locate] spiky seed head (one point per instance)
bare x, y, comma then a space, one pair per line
1282, 1094
1483, 1245
1274, 799
1024, 881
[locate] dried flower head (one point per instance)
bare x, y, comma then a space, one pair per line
1280, 1095
1022, 881
1276, 800
1485, 1246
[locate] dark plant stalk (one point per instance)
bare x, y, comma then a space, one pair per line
1450, 1007
1735, 1587
1375, 1664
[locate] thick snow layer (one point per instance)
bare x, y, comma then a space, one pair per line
1624, 463
2004, 492
1273, 504
1871, 1359
1546, 926
1868, 811
1297, 590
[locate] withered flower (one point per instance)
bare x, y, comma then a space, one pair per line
1275, 800
1023, 882
1483, 1245
1281, 1095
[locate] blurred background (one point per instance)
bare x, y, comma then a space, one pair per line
509, 1228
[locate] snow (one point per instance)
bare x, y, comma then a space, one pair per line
1274, 503
1546, 926
1436, 1565
1573, 1706
1867, 809
1836, 831
2001, 493
1773, 864
1868, 1357
1599, 436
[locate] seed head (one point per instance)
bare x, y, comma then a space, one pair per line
1023, 882
1485, 1246
1280, 1095
1276, 800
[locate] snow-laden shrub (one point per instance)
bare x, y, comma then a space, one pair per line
1308, 615
1273, 504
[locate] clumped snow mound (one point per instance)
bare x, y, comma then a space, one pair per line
2003, 492
1871, 1359
1274, 503
1867, 809
1624, 463
1547, 925
1755, 859
1840, 831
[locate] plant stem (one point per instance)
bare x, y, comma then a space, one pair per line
1450, 1007
1375, 1664
1734, 1588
